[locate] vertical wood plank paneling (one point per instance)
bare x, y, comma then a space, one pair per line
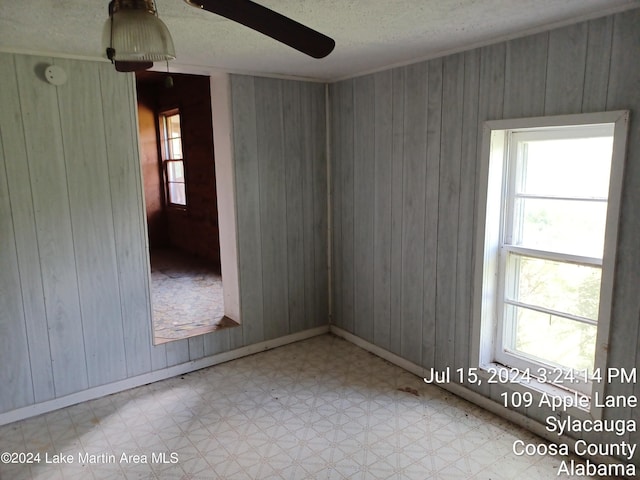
216, 342
345, 184
158, 356
280, 154
53, 224
448, 208
129, 234
273, 214
292, 125
413, 210
467, 210
196, 347
336, 140
92, 223
397, 179
596, 75
24, 229
492, 85
308, 220
363, 201
566, 60
382, 231
490, 107
525, 76
434, 124
624, 93
317, 152
177, 352
248, 207
15, 376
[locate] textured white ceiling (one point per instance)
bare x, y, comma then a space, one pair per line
370, 34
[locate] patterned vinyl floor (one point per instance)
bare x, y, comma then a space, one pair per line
317, 409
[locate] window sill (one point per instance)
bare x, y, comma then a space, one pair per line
224, 322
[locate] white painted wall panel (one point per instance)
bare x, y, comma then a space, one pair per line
281, 184
54, 231
23, 228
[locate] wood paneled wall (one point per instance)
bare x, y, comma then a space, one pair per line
76, 279
405, 155
281, 189
74, 273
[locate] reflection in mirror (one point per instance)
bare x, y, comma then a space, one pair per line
178, 169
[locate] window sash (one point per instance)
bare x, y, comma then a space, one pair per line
489, 240
175, 196
505, 351
512, 221
510, 282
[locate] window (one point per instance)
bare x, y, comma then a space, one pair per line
550, 210
172, 160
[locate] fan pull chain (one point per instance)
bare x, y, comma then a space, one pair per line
168, 80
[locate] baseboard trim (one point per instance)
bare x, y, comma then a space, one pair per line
469, 395
128, 383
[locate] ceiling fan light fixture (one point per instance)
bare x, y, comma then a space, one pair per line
135, 34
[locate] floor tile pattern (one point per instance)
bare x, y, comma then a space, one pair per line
317, 409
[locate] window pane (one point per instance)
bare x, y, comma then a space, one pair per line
563, 287
175, 148
175, 172
565, 226
173, 126
177, 194
553, 339
566, 167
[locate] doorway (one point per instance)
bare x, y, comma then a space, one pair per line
178, 169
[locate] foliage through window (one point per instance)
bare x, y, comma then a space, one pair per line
548, 246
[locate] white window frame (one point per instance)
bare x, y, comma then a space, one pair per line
488, 260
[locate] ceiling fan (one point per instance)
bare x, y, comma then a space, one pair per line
133, 26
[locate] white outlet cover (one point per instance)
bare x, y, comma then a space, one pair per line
55, 75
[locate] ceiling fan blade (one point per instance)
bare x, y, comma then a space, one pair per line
270, 23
